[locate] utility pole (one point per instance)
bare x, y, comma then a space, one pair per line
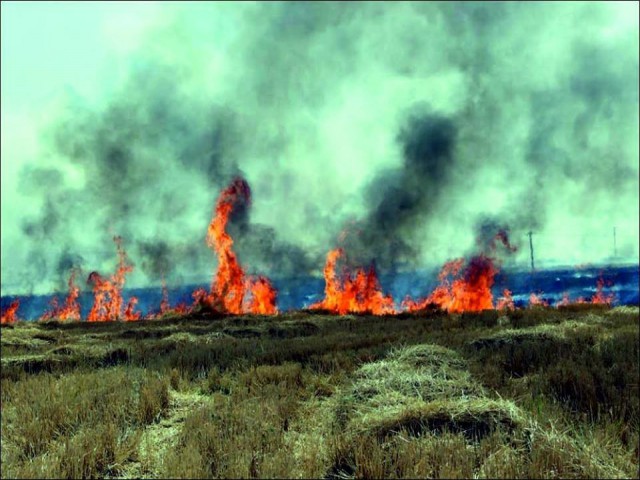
615, 247
531, 248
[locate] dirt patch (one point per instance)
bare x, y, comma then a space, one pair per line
159, 438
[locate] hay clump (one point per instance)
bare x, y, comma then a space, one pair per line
423, 388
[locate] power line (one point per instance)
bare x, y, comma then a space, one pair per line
531, 248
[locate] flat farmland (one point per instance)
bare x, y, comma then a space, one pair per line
536, 392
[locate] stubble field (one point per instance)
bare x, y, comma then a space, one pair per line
538, 392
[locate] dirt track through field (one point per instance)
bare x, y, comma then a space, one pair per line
159, 438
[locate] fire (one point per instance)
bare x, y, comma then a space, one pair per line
565, 300
70, 310
229, 285
10, 314
506, 302
180, 309
600, 297
467, 290
358, 294
164, 303
262, 297
107, 304
165, 306
464, 286
129, 314
470, 292
537, 300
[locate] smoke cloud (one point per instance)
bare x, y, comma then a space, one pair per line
402, 199
399, 130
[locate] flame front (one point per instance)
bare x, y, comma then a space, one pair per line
107, 302
359, 294
70, 310
229, 285
600, 297
262, 297
536, 300
463, 286
506, 302
469, 293
165, 306
10, 314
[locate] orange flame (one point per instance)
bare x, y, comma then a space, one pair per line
164, 303
537, 300
600, 297
470, 293
107, 304
506, 302
262, 297
10, 314
129, 314
360, 294
180, 309
71, 309
165, 306
465, 292
229, 286
565, 300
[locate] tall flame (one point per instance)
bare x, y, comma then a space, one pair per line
229, 285
10, 314
262, 297
70, 310
358, 294
107, 303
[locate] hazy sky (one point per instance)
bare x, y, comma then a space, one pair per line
408, 126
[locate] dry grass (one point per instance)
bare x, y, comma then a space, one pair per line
542, 393
80, 425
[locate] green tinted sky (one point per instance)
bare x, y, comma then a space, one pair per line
309, 102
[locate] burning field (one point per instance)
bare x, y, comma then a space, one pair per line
320, 240
356, 385
465, 285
